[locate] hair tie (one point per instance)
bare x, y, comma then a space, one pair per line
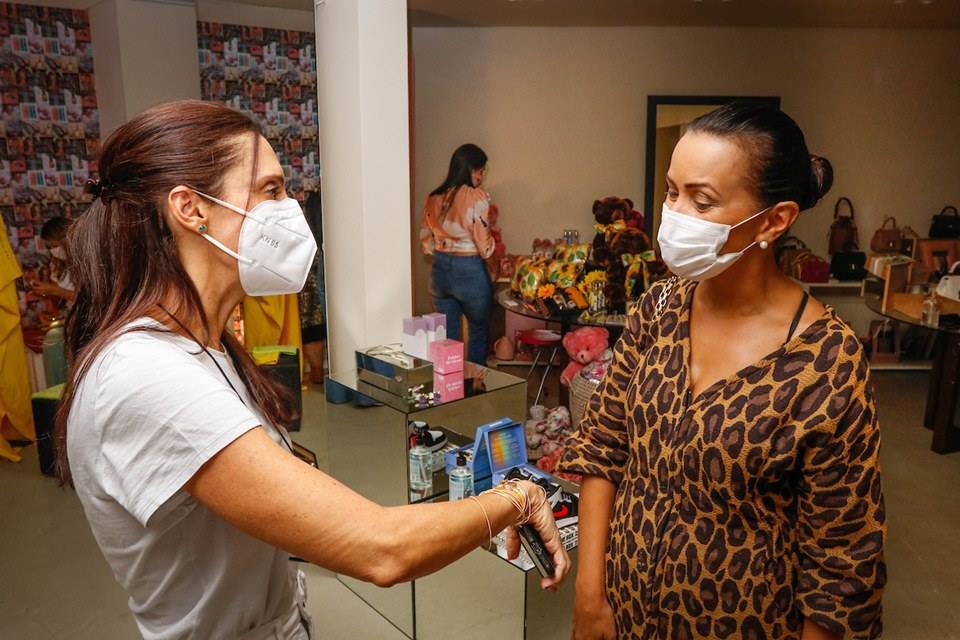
98, 189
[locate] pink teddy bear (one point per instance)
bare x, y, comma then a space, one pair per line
583, 345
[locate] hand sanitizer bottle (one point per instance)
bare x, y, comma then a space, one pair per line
461, 479
421, 469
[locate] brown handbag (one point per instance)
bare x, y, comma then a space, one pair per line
788, 250
843, 230
887, 239
811, 268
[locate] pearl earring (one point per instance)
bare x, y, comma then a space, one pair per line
764, 244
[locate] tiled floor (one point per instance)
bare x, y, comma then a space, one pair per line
54, 584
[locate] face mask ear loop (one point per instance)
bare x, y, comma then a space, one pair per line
758, 213
222, 203
223, 247
751, 245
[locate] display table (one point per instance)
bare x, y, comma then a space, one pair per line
942, 401
566, 319
481, 595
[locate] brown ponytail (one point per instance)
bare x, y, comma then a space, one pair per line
122, 256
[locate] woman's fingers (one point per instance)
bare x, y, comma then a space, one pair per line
513, 543
546, 526
561, 566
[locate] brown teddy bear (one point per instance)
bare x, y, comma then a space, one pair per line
619, 231
626, 241
615, 211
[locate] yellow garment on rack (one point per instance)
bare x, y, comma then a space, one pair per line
272, 320
16, 414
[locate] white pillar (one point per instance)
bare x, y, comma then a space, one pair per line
364, 146
144, 53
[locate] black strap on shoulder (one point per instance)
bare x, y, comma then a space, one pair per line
799, 314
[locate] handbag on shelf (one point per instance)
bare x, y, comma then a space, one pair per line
887, 239
945, 224
811, 268
849, 264
788, 250
843, 229
908, 240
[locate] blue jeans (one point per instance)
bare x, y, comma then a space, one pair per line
460, 285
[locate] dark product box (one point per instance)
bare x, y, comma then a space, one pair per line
396, 372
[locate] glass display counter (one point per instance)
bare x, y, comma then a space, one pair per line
482, 594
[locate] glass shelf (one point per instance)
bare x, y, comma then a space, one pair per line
477, 381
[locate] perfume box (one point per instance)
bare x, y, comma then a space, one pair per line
415, 338
450, 386
436, 327
447, 356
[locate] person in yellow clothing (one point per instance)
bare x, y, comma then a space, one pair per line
270, 321
16, 415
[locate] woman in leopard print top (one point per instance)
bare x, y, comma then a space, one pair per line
728, 493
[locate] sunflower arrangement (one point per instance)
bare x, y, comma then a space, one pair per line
546, 291
586, 284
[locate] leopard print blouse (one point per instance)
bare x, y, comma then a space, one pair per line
744, 510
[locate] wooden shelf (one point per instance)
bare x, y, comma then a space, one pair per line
493, 362
832, 284
908, 365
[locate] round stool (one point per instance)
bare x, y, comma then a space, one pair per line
541, 341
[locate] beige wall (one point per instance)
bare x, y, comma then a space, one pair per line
562, 111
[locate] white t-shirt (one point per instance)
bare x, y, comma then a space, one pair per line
150, 411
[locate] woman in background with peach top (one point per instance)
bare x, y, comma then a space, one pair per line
456, 232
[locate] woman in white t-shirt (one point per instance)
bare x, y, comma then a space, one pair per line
169, 431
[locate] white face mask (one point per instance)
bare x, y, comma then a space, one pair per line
276, 247
58, 253
690, 246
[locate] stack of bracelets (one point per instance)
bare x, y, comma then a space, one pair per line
512, 492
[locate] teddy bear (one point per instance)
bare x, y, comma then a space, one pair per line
500, 250
619, 213
533, 432
595, 371
583, 345
629, 241
554, 437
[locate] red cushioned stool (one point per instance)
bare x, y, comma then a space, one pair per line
541, 341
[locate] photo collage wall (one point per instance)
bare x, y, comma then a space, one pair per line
49, 132
271, 75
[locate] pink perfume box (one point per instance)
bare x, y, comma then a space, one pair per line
447, 356
450, 386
